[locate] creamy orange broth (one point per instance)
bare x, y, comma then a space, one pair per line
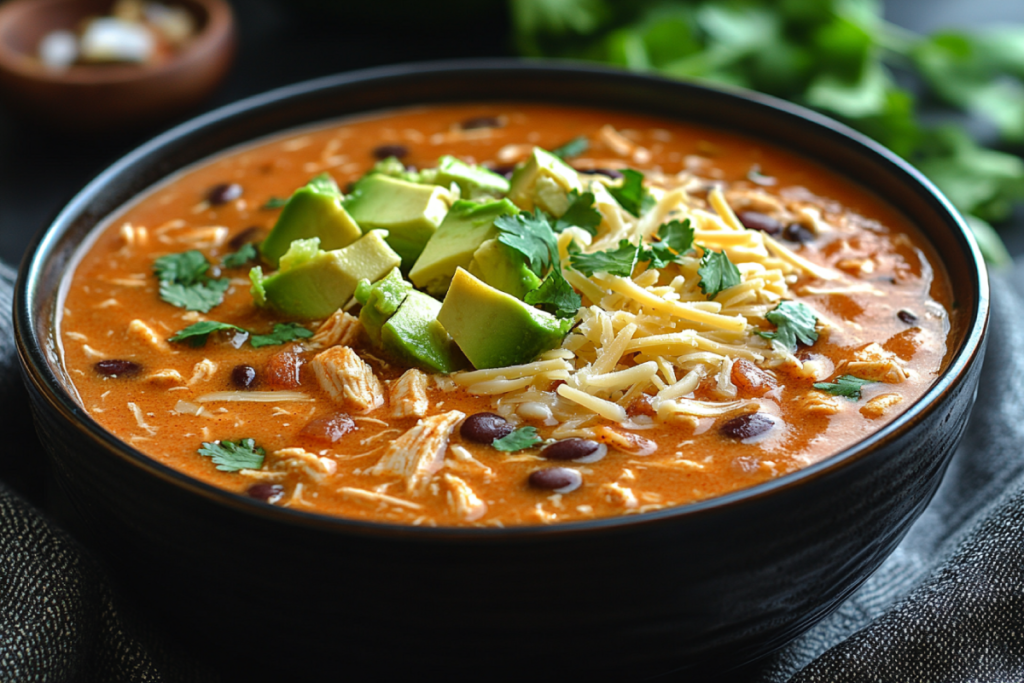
113, 285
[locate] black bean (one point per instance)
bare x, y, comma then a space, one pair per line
794, 232
504, 170
243, 376
385, 151
570, 449
250, 235
906, 316
746, 426
270, 493
608, 172
560, 479
755, 220
480, 122
485, 427
117, 368
224, 193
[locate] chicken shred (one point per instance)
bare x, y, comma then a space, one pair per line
348, 379
408, 395
419, 453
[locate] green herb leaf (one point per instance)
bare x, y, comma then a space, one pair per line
847, 386
573, 148
274, 203
201, 296
717, 273
532, 236
581, 213
556, 296
186, 268
524, 437
283, 332
232, 456
241, 257
197, 334
618, 261
630, 195
676, 239
795, 322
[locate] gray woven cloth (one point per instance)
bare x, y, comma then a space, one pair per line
948, 605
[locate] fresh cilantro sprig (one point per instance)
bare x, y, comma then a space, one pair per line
530, 234
581, 213
283, 333
185, 284
846, 386
573, 148
795, 322
676, 238
232, 456
618, 261
198, 333
630, 195
555, 295
241, 257
717, 273
522, 438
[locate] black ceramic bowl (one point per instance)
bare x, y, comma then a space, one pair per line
276, 593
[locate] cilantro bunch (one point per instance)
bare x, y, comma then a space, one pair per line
838, 56
184, 282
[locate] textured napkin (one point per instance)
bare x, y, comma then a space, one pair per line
948, 605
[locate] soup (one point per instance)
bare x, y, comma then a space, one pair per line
508, 314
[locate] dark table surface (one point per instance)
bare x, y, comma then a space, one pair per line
285, 41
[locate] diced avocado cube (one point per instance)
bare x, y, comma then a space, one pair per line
543, 180
410, 212
504, 268
495, 329
463, 230
380, 300
473, 181
414, 335
313, 210
313, 283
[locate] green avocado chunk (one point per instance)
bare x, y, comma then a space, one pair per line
380, 300
543, 180
312, 283
463, 230
313, 210
495, 329
504, 268
410, 212
414, 335
474, 181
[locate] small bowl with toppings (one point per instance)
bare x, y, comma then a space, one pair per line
103, 65
622, 377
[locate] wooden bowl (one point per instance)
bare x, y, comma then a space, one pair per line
105, 97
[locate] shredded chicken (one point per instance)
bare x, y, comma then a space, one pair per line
880, 405
875, 363
462, 500
348, 379
341, 328
408, 395
146, 335
300, 462
419, 453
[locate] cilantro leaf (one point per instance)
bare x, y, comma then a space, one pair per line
274, 203
630, 195
532, 236
676, 240
524, 437
200, 296
232, 456
283, 332
795, 322
717, 273
197, 333
573, 148
581, 213
618, 261
555, 295
241, 257
847, 386
186, 268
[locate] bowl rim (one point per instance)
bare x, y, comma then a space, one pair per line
217, 29
37, 372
